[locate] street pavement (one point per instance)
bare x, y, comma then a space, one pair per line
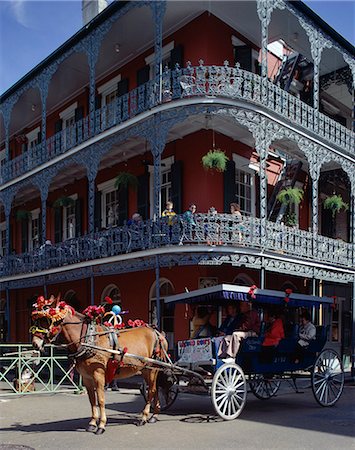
287, 421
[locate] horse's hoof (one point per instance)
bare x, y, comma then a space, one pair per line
100, 431
141, 422
153, 420
91, 428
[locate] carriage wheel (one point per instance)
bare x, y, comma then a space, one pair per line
229, 391
327, 378
167, 396
262, 388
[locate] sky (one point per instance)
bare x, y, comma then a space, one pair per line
31, 30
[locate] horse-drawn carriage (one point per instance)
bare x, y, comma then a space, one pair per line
141, 349
228, 383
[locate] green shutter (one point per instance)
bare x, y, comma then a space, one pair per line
78, 217
176, 186
97, 211
58, 225
177, 56
24, 235
143, 75
143, 196
122, 206
229, 185
122, 87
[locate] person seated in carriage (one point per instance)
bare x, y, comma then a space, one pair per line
248, 325
230, 323
201, 324
307, 333
273, 335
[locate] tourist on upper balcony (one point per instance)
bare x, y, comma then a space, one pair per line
213, 227
135, 220
169, 213
235, 224
188, 215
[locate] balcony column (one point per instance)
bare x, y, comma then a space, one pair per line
315, 194
6, 113
43, 85
92, 47
92, 161
7, 198
318, 42
265, 9
158, 11
262, 143
44, 196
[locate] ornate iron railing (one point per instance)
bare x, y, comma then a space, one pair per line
200, 81
218, 230
26, 371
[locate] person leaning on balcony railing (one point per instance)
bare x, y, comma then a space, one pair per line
236, 223
188, 223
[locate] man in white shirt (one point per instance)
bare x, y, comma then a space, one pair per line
307, 333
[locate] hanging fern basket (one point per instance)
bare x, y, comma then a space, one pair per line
215, 160
23, 214
290, 196
335, 204
63, 201
125, 180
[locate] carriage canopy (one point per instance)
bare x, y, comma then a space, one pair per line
226, 293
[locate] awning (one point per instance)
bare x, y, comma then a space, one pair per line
225, 293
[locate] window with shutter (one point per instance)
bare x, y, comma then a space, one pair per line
69, 219
244, 185
34, 237
229, 185
109, 204
165, 184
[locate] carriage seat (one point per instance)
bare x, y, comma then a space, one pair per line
321, 338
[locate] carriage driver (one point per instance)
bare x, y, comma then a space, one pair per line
247, 326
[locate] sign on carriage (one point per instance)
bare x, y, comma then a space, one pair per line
195, 350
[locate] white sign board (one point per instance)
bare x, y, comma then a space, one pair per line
195, 350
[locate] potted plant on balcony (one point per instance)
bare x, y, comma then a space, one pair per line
125, 180
63, 201
23, 214
289, 197
335, 203
215, 159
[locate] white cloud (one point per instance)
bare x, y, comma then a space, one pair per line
18, 10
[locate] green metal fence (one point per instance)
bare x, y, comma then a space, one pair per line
24, 371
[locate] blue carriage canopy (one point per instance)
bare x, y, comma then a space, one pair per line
226, 293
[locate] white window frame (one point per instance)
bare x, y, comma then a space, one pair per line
34, 215
107, 88
32, 136
65, 214
105, 188
246, 165
2, 228
150, 59
165, 167
68, 113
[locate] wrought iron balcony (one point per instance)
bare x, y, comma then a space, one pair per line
220, 231
211, 81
